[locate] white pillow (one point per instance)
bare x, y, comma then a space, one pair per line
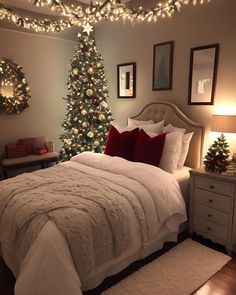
170, 128
138, 122
171, 151
184, 149
185, 142
122, 129
155, 127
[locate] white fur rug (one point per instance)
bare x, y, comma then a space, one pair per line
180, 271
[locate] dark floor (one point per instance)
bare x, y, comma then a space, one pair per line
222, 283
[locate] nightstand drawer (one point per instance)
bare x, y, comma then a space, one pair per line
212, 215
212, 200
219, 187
210, 229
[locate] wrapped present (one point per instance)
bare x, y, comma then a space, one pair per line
29, 143
49, 146
15, 150
40, 150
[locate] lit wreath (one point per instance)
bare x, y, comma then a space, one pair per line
11, 75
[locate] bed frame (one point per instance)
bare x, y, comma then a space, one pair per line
171, 114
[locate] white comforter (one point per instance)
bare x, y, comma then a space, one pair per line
155, 191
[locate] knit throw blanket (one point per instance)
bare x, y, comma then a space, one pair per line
89, 210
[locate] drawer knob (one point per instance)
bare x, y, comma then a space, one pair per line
212, 186
210, 201
209, 228
209, 215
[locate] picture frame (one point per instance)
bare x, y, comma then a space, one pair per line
202, 74
163, 54
126, 80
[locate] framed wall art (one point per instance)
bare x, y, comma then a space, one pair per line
162, 66
202, 74
126, 80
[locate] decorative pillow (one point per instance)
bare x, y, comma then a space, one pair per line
149, 149
184, 149
171, 151
170, 128
156, 127
121, 144
138, 122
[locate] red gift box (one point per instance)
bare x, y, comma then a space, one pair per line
15, 150
40, 150
29, 143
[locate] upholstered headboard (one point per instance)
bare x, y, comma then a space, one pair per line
171, 114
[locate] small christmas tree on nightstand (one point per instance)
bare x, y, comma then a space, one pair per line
217, 157
88, 116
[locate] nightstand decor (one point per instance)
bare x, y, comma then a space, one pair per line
217, 157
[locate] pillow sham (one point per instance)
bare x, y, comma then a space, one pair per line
121, 144
170, 128
185, 142
171, 151
120, 128
138, 122
155, 127
149, 149
184, 148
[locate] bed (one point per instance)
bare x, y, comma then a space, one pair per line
43, 250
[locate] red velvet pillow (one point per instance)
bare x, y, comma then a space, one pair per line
149, 149
121, 144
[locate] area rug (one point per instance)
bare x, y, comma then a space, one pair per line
180, 271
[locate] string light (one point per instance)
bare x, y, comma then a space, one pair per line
110, 10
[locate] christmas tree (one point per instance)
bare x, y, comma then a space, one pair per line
88, 117
216, 159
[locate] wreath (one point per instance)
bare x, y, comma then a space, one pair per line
11, 74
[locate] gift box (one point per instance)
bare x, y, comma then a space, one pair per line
15, 150
40, 150
49, 146
29, 144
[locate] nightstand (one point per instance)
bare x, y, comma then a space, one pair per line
212, 207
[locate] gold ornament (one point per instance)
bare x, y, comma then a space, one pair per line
90, 134
75, 71
84, 112
89, 92
90, 70
99, 65
84, 124
96, 143
101, 117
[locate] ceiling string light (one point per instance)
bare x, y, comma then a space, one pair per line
110, 10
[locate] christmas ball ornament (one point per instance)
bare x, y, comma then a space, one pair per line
89, 92
90, 70
101, 117
90, 110
75, 71
99, 64
95, 101
96, 143
104, 104
84, 124
84, 112
90, 134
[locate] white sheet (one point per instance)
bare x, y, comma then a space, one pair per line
43, 257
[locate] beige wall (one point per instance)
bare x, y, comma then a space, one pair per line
45, 63
213, 22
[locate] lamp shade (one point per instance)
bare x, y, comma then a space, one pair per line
222, 123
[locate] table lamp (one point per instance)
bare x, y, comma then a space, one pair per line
223, 123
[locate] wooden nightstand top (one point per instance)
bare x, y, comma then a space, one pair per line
214, 175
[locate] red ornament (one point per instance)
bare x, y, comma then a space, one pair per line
95, 101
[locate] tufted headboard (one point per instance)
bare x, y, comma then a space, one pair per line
171, 114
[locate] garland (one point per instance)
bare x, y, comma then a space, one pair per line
11, 74
110, 10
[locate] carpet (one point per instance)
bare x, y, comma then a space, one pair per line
180, 271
